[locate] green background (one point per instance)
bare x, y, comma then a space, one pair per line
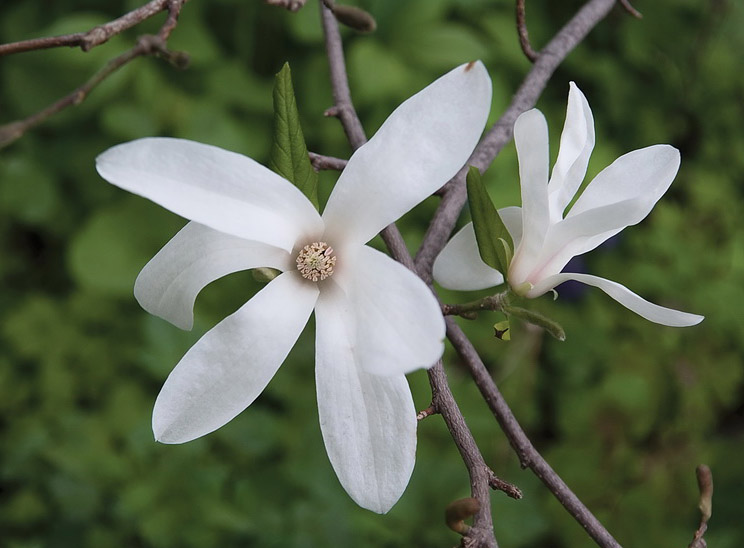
624, 409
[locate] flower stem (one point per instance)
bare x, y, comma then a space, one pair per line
469, 311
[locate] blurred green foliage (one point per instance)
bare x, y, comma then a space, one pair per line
624, 409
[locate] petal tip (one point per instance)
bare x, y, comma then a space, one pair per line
476, 64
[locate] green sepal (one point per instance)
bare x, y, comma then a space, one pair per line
495, 244
288, 155
502, 331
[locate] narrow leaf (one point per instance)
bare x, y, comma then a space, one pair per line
288, 152
495, 244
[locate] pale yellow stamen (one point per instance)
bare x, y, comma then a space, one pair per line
315, 261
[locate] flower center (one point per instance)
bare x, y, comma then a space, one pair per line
315, 261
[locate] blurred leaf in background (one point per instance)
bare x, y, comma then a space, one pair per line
624, 410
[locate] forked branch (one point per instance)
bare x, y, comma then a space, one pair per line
155, 45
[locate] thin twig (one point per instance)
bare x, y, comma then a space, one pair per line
343, 108
501, 132
321, 162
498, 484
428, 412
146, 45
95, 36
470, 310
529, 457
291, 5
481, 533
524, 37
630, 9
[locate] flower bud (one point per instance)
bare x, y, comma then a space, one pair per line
356, 18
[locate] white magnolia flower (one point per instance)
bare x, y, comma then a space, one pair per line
375, 319
545, 240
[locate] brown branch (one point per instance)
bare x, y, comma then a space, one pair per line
291, 5
501, 132
529, 457
321, 162
342, 108
146, 45
439, 230
481, 534
95, 36
497, 484
428, 412
524, 37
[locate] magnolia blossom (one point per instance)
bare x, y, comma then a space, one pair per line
375, 319
545, 239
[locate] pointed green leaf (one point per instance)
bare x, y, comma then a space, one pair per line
288, 152
495, 244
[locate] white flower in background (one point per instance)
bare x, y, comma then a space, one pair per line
375, 319
545, 240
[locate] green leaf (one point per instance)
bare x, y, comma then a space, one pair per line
495, 244
289, 153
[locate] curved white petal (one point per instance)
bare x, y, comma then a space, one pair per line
232, 363
368, 421
577, 142
398, 323
423, 143
581, 233
531, 139
459, 265
622, 195
623, 295
168, 285
643, 175
214, 187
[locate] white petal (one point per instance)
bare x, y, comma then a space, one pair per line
581, 233
577, 142
643, 175
459, 265
531, 139
232, 363
623, 295
168, 285
623, 194
398, 323
423, 143
368, 421
223, 190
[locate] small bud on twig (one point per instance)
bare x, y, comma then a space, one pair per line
705, 484
458, 511
354, 17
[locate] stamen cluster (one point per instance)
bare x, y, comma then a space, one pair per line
315, 261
